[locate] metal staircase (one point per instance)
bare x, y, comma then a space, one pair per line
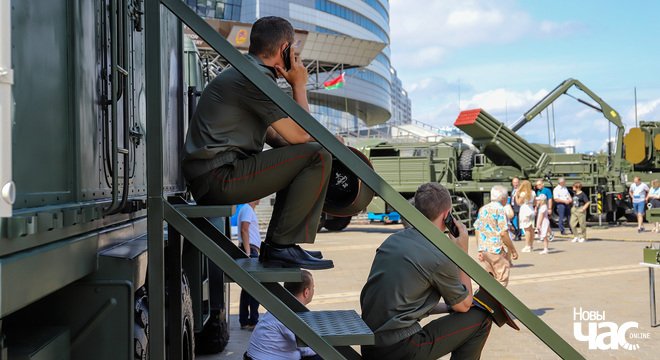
461, 207
327, 333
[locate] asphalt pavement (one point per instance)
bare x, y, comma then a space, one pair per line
594, 294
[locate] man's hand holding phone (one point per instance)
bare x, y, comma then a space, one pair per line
295, 73
457, 231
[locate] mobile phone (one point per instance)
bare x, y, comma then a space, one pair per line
287, 57
450, 225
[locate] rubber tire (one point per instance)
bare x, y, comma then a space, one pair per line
337, 223
466, 204
465, 164
141, 325
187, 321
214, 337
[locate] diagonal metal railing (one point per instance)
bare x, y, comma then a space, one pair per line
284, 312
314, 128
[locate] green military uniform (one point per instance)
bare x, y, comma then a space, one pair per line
408, 277
224, 162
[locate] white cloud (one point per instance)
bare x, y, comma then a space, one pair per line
501, 100
452, 24
570, 142
553, 29
649, 110
425, 56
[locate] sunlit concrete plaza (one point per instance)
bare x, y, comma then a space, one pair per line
602, 277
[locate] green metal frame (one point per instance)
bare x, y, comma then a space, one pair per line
608, 112
159, 210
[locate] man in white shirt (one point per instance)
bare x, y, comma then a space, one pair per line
249, 240
563, 199
271, 340
637, 192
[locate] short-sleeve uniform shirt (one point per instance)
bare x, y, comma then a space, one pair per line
232, 115
408, 277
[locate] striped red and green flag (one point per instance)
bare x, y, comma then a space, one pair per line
334, 83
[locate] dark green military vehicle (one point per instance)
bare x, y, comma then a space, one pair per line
73, 246
494, 156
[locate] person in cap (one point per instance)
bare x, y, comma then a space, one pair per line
223, 159
408, 278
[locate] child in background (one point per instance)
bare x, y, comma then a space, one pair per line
542, 221
579, 212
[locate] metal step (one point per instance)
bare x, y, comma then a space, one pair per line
338, 328
268, 275
328, 333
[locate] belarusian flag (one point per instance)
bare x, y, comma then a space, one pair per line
334, 83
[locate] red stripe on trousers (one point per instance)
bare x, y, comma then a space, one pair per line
442, 337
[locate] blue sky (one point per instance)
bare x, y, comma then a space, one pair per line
505, 55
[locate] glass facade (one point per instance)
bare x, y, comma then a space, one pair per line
401, 104
217, 9
379, 7
352, 16
368, 75
335, 120
328, 31
372, 94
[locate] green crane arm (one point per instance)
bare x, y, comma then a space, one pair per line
610, 114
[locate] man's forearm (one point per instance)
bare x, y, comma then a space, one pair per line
274, 139
300, 96
507, 241
440, 308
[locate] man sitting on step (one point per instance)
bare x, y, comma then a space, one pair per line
223, 159
408, 277
271, 340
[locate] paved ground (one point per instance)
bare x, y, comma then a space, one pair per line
600, 275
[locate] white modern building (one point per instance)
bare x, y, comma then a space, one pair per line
349, 36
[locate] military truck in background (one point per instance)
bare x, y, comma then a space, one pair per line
642, 145
494, 155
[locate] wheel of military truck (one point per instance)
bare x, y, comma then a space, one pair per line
464, 208
337, 223
465, 164
141, 325
214, 337
187, 320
